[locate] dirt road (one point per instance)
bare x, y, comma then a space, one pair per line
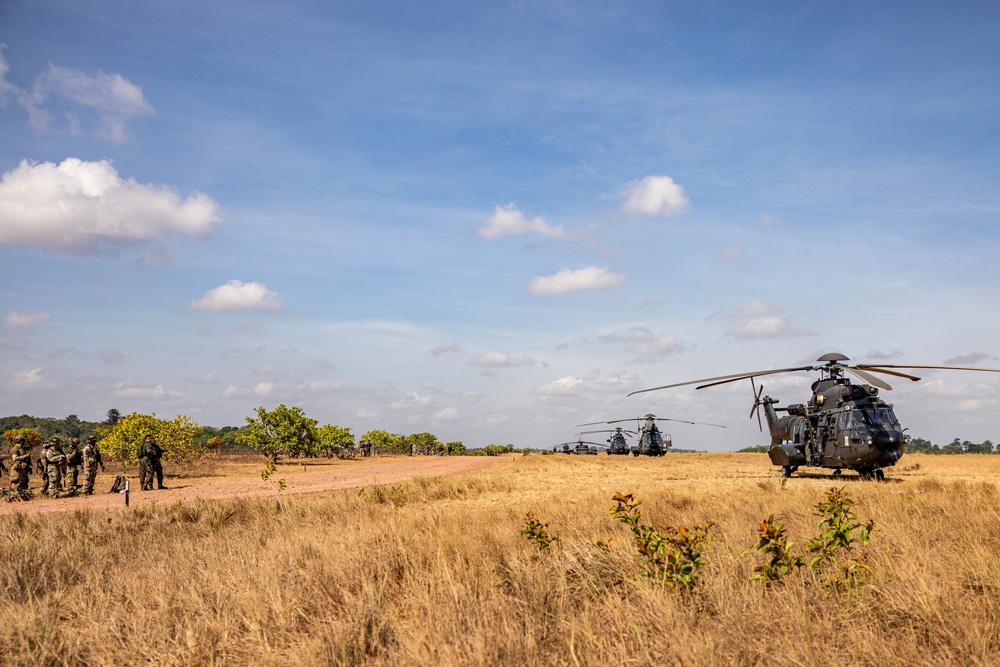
244, 480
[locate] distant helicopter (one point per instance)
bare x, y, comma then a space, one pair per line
651, 441
843, 426
578, 447
617, 445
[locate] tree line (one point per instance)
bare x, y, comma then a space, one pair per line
284, 432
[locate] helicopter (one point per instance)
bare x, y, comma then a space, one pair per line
581, 447
651, 441
842, 426
616, 441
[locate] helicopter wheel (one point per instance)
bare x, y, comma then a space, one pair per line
836, 473
786, 471
879, 475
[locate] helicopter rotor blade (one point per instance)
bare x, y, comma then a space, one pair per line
756, 404
685, 421
711, 382
869, 378
872, 369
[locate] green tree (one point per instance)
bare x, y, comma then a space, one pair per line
113, 417
331, 439
281, 432
456, 448
425, 443
378, 439
177, 437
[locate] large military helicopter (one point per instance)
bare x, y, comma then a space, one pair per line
843, 425
651, 441
577, 447
617, 445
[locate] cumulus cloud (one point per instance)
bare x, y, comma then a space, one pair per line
593, 384
968, 359
500, 360
411, 400
587, 279
763, 320
510, 221
157, 393
262, 389
446, 414
84, 207
648, 346
655, 196
15, 321
236, 295
67, 100
32, 380
446, 348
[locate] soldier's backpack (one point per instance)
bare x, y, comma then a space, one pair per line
119, 484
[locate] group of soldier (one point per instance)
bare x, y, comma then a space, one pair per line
60, 467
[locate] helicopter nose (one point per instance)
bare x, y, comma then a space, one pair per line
887, 440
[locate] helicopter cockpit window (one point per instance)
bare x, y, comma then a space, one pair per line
842, 421
888, 416
656, 439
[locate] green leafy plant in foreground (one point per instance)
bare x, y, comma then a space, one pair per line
538, 533
841, 531
671, 556
774, 544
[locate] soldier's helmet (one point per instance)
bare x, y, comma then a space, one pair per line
91, 438
55, 440
19, 439
74, 441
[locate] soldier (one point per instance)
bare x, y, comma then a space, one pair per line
43, 466
21, 464
74, 459
56, 462
149, 464
91, 459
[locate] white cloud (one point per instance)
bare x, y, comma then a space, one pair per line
412, 400
83, 207
155, 393
237, 295
763, 320
587, 279
655, 196
564, 385
15, 321
510, 221
261, 390
645, 344
970, 358
500, 360
102, 104
446, 348
446, 414
31, 380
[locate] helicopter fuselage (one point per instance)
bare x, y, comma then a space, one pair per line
651, 441
843, 425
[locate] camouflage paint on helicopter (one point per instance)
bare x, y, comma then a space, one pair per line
617, 444
842, 426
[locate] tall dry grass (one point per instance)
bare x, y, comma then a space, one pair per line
435, 571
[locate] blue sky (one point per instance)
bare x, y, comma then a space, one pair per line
491, 221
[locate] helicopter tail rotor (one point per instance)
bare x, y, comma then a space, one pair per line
756, 403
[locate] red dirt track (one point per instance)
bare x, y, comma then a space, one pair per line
318, 478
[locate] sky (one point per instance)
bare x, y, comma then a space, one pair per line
493, 220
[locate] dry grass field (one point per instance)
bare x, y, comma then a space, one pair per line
435, 571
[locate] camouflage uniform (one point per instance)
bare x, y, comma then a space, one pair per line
74, 459
43, 467
91, 459
56, 462
20, 464
149, 464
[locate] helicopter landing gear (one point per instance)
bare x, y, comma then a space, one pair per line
869, 474
879, 475
786, 471
836, 473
